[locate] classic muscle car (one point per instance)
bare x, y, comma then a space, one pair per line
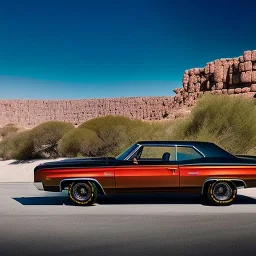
152, 167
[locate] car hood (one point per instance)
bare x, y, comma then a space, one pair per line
77, 163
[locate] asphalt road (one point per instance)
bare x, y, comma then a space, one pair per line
40, 223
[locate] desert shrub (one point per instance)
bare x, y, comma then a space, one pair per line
118, 132
8, 130
80, 142
227, 121
159, 130
38, 142
108, 135
97, 123
113, 131
46, 136
252, 151
4, 149
20, 146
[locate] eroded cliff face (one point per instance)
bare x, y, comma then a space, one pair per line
223, 76
30, 113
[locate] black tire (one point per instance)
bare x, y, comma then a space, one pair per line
222, 192
204, 199
83, 192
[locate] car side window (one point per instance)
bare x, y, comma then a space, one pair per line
187, 153
157, 153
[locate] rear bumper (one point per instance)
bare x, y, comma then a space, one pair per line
39, 185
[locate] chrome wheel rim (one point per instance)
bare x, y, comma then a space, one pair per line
222, 191
82, 192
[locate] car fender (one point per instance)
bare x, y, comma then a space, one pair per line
237, 182
68, 181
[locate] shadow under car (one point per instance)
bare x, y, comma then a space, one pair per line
129, 199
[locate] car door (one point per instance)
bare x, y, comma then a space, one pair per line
151, 173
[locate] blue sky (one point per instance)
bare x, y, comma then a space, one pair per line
93, 49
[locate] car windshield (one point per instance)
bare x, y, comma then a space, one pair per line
124, 154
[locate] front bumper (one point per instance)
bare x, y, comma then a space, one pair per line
39, 185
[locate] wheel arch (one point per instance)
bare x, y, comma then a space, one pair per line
67, 182
237, 182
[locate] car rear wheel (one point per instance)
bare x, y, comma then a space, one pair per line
83, 192
222, 192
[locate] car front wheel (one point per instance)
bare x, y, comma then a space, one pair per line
83, 192
222, 192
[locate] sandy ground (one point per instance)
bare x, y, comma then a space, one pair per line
19, 171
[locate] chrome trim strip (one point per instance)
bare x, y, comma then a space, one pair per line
133, 152
200, 152
85, 179
76, 167
218, 164
215, 179
39, 185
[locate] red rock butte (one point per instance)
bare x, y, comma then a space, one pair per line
222, 76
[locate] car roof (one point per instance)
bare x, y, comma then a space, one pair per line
209, 149
177, 142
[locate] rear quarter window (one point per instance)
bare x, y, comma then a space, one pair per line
187, 153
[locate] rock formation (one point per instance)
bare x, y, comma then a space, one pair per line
222, 76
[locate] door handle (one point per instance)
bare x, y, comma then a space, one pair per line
173, 170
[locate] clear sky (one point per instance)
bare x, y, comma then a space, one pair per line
61, 49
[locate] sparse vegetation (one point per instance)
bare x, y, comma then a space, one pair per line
107, 135
80, 142
19, 146
227, 121
36, 143
46, 136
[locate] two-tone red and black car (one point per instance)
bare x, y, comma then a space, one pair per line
152, 167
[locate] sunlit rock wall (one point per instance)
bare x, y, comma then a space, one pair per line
29, 113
